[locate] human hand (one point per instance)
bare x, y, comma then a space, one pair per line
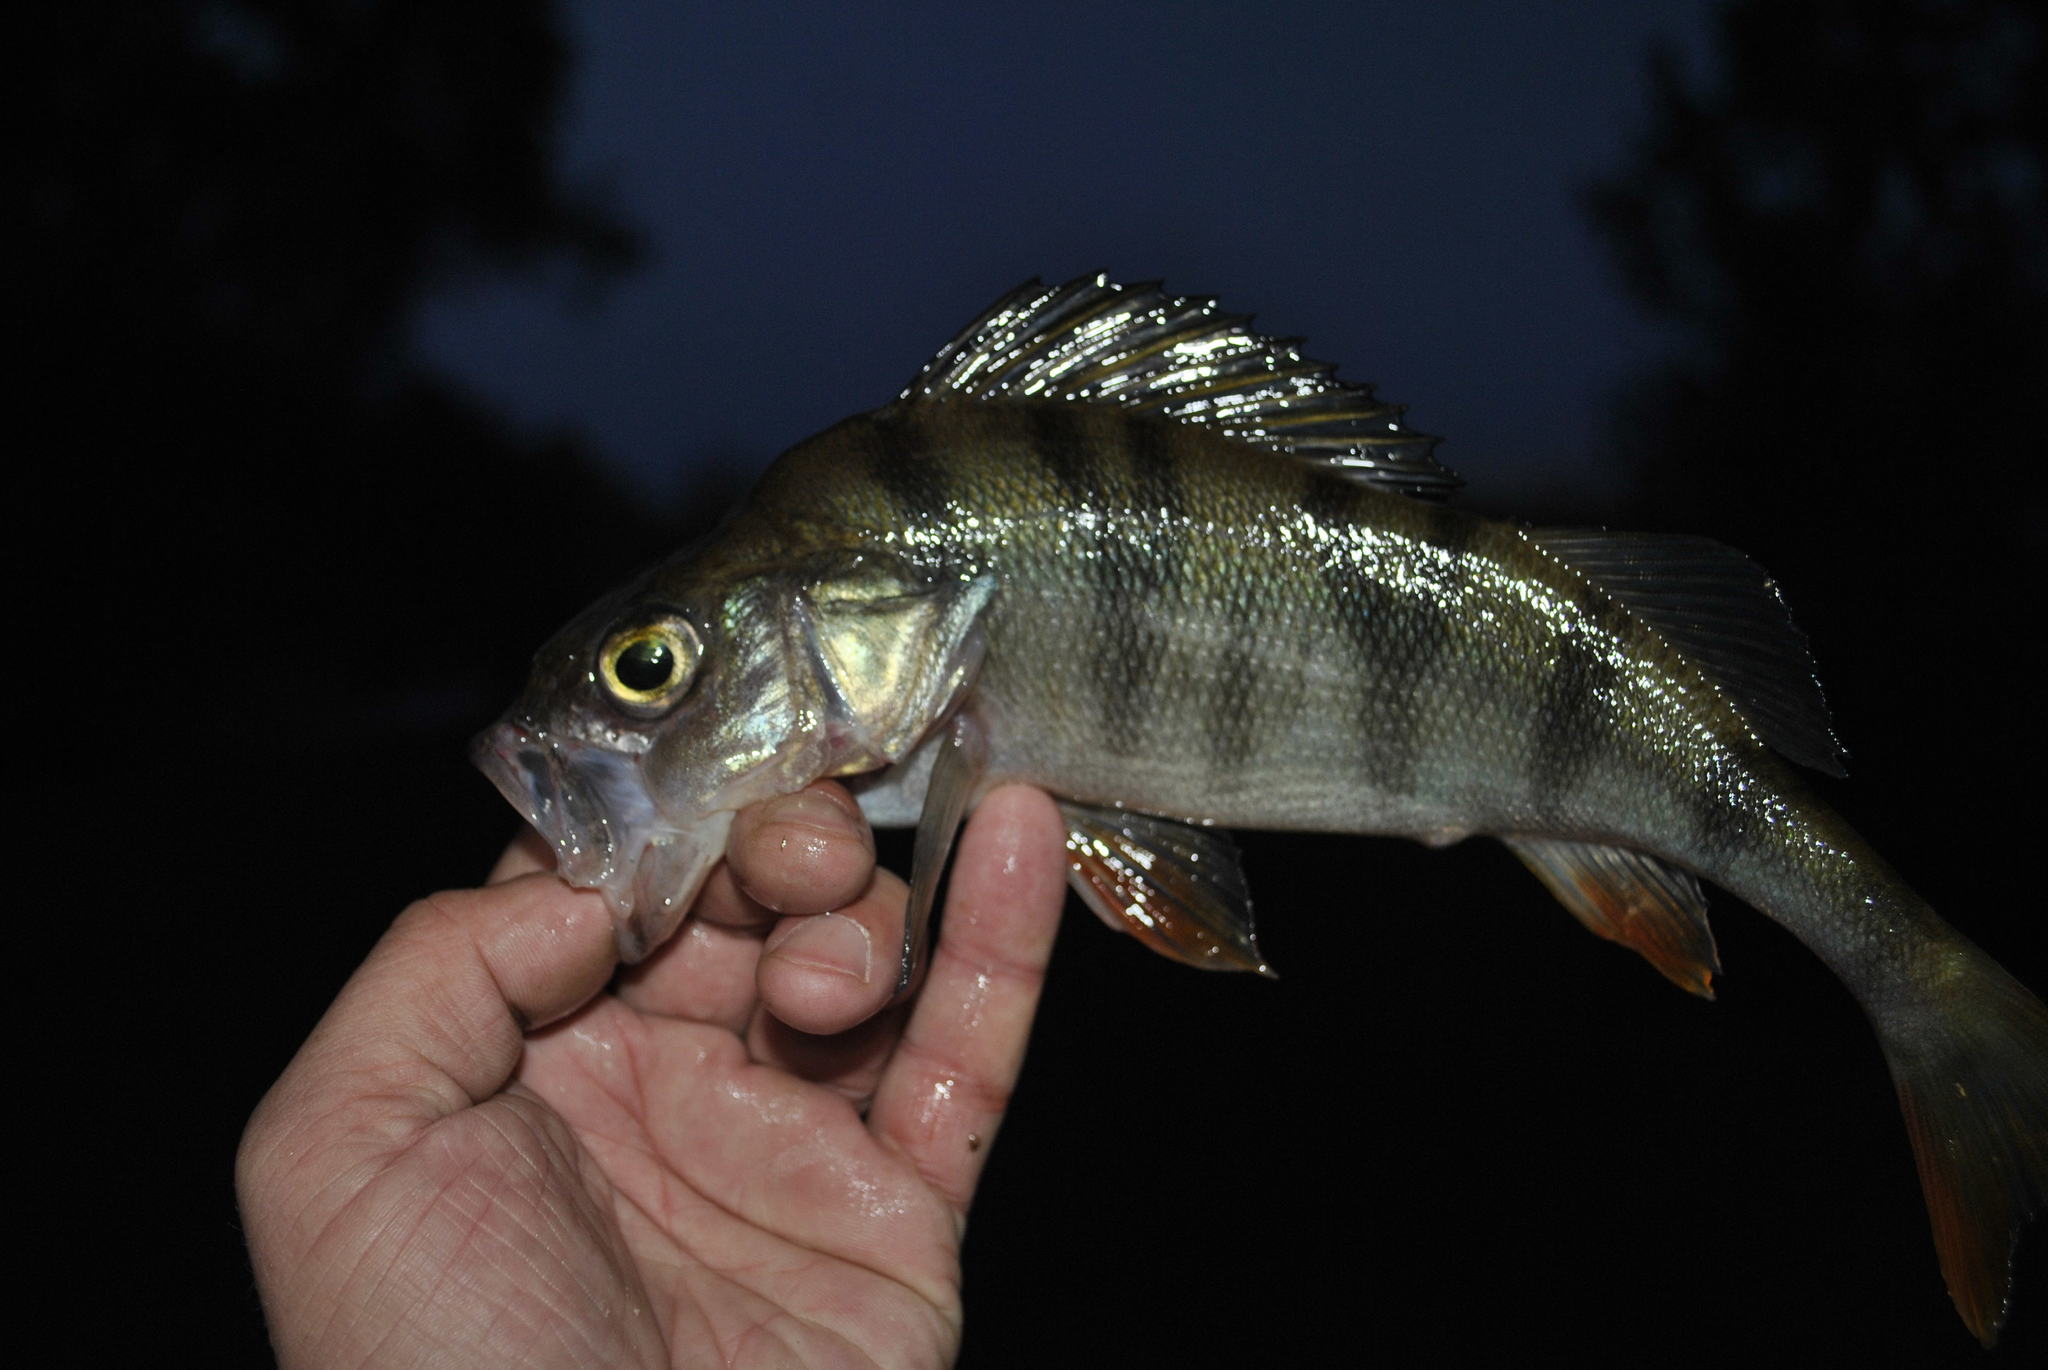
480, 1157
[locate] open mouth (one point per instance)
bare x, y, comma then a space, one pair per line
593, 807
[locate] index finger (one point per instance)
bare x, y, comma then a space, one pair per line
946, 1087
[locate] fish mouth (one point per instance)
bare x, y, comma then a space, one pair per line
593, 806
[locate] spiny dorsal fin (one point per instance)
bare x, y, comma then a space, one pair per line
1719, 608
1094, 341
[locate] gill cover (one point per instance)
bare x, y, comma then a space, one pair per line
888, 653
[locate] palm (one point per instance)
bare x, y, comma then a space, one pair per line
665, 1174
743, 1207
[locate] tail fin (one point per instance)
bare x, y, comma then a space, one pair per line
1970, 1061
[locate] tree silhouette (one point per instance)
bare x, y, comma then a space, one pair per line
300, 568
1848, 226
1851, 229
280, 181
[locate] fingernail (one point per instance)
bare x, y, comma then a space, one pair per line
828, 942
812, 810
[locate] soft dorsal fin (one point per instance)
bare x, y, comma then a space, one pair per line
1719, 608
1094, 341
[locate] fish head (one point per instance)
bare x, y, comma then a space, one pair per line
662, 710
644, 725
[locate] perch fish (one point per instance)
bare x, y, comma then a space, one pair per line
1114, 543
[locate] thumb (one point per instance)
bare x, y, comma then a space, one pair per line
434, 1019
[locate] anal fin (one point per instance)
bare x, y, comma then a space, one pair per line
1632, 898
1176, 887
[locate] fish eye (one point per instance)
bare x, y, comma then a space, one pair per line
646, 667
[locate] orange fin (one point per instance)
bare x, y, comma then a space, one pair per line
1634, 899
1175, 887
1971, 1067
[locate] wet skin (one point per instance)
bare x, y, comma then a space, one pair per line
492, 1152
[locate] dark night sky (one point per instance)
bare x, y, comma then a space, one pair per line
829, 191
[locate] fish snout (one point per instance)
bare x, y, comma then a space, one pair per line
589, 802
593, 806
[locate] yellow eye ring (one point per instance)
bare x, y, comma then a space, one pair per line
646, 667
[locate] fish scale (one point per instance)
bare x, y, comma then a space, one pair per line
1114, 543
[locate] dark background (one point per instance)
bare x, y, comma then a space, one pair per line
282, 562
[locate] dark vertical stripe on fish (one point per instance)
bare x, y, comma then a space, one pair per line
1232, 722
895, 448
1397, 637
1159, 505
1572, 721
1437, 612
1121, 578
1058, 443
1370, 614
1156, 468
1329, 503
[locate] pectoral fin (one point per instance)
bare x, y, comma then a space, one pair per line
1631, 898
1175, 887
957, 767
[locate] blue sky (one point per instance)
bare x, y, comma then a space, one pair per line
828, 191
